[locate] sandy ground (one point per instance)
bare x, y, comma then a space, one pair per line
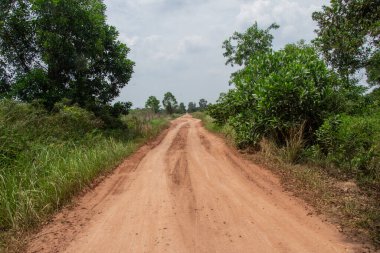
188, 192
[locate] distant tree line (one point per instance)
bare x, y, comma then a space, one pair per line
170, 105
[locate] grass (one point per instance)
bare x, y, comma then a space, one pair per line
46, 159
210, 125
37, 186
356, 211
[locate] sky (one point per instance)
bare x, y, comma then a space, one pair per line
177, 44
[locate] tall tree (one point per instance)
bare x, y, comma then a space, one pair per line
18, 46
240, 47
192, 107
373, 69
182, 108
349, 36
153, 103
121, 108
169, 102
202, 104
63, 49
4, 80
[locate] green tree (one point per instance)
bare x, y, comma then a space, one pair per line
153, 103
348, 35
18, 46
374, 98
4, 80
192, 107
169, 102
241, 47
202, 104
227, 105
277, 91
281, 90
121, 108
57, 49
182, 108
373, 69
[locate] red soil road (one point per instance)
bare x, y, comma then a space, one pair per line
188, 192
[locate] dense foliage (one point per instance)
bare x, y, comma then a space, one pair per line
192, 107
240, 47
153, 103
169, 102
61, 49
349, 36
277, 91
202, 104
352, 145
181, 108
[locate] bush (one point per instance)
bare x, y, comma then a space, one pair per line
278, 91
226, 106
352, 145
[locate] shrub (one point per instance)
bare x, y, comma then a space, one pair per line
278, 91
226, 106
352, 145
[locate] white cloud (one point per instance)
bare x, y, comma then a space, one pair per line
192, 44
256, 11
130, 41
293, 16
176, 44
152, 38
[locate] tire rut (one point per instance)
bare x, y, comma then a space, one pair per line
189, 193
180, 184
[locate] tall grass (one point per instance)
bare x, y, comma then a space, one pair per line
294, 144
209, 124
47, 158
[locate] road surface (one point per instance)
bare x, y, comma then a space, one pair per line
188, 192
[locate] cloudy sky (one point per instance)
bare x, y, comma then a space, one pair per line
176, 44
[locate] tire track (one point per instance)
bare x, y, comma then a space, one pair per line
189, 193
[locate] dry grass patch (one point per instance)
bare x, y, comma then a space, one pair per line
355, 212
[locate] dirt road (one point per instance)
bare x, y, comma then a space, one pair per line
188, 192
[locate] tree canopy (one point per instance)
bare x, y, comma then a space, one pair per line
55, 49
240, 47
153, 103
169, 102
192, 107
182, 108
348, 36
202, 104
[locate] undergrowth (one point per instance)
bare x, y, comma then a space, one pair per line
46, 158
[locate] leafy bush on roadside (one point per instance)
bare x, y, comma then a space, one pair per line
278, 91
352, 145
227, 105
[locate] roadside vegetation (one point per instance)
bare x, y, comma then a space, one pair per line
301, 110
46, 158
